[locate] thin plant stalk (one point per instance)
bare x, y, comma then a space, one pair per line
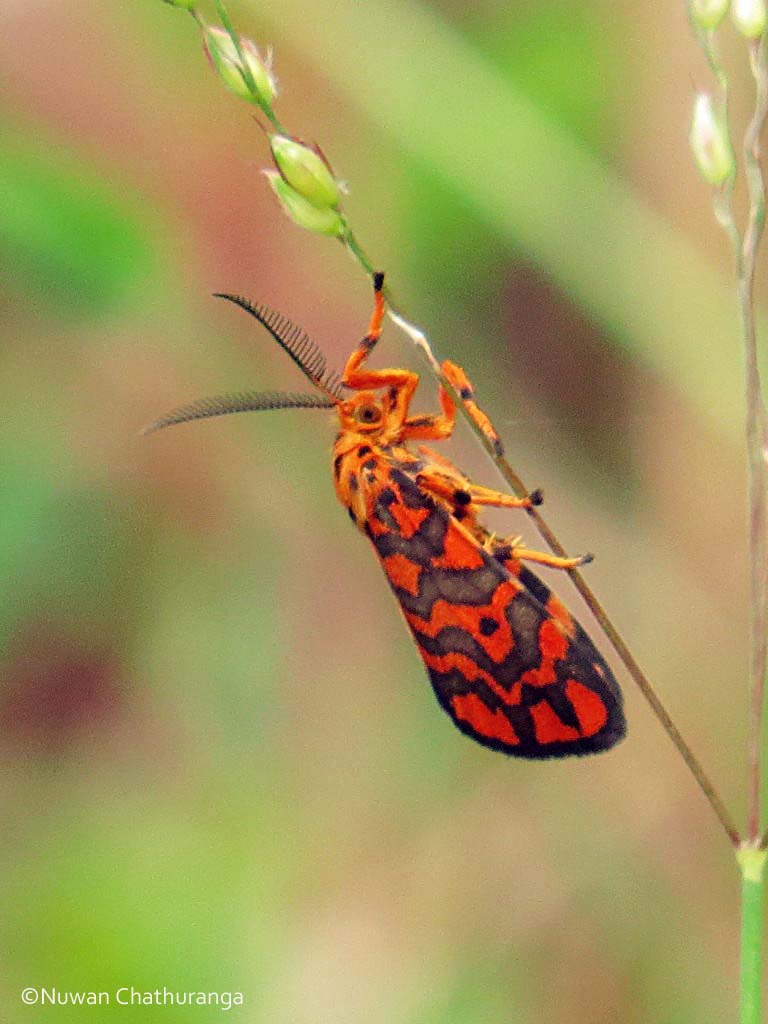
745, 249
751, 854
752, 861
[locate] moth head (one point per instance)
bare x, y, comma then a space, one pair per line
363, 413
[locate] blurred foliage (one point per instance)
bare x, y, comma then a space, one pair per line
563, 60
564, 57
51, 199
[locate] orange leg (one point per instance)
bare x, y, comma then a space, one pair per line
487, 496
441, 426
463, 387
352, 376
552, 561
432, 428
511, 548
463, 494
402, 383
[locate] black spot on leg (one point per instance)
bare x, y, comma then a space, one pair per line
502, 552
461, 497
363, 450
537, 496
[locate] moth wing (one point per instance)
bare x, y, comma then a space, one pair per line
513, 671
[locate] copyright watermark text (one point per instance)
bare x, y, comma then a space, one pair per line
129, 996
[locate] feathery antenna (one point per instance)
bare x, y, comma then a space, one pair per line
296, 342
246, 401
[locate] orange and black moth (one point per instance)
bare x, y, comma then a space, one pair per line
507, 661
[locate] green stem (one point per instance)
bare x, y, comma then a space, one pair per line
349, 240
752, 862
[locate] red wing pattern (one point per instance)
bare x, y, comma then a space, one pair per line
506, 660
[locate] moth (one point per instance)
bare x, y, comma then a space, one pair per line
507, 661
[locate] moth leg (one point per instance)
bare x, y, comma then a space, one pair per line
352, 372
463, 387
553, 561
487, 496
506, 550
435, 427
402, 383
511, 549
440, 426
353, 376
460, 493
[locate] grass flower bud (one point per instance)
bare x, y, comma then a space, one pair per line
749, 17
708, 14
323, 221
710, 142
224, 57
305, 169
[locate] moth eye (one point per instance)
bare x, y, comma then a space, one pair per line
368, 414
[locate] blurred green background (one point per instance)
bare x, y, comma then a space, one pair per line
222, 764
